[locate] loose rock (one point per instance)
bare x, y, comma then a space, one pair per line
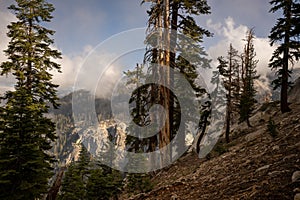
296, 176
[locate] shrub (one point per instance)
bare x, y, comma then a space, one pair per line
272, 127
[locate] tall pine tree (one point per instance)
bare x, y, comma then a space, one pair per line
227, 68
249, 74
26, 134
167, 49
287, 33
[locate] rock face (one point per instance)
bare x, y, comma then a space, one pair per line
97, 140
82, 127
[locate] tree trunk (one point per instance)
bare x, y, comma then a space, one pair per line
154, 90
164, 137
173, 42
227, 126
285, 74
203, 130
52, 194
229, 106
138, 109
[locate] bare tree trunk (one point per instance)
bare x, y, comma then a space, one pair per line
229, 106
227, 132
173, 44
52, 194
155, 88
164, 137
285, 74
203, 130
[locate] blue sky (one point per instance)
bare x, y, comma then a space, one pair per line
81, 25
91, 22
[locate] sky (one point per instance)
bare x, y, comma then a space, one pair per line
86, 29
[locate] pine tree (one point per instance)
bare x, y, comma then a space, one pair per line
83, 162
287, 33
139, 107
103, 183
75, 179
218, 95
191, 57
249, 74
26, 134
174, 17
73, 187
226, 69
138, 183
94, 185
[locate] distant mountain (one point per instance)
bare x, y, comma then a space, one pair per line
70, 133
102, 106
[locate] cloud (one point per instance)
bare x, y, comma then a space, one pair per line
5, 19
254, 13
71, 66
231, 33
89, 71
6, 82
78, 23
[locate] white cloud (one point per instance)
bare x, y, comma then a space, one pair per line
6, 82
231, 33
216, 27
71, 66
88, 71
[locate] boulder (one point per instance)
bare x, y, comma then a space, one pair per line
296, 177
297, 196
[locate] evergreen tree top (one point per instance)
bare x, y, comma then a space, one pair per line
29, 52
35, 10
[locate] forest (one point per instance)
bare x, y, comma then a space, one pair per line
168, 130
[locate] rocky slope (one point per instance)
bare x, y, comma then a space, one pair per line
256, 164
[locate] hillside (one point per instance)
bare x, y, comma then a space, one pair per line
256, 164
